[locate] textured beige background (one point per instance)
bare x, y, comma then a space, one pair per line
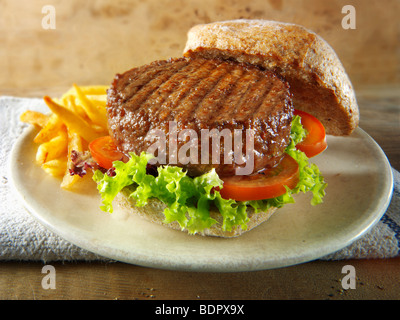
93, 40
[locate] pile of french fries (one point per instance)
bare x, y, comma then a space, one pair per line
77, 118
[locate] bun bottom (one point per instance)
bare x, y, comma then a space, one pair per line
154, 212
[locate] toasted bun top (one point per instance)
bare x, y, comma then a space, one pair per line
318, 81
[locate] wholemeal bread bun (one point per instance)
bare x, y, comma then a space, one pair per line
154, 212
318, 81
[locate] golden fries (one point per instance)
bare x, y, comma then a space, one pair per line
55, 167
95, 112
74, 143
77, 118
88, 90
53, 149
49, 130
72, 120
35, 118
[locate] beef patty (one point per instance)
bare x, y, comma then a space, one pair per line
201, 94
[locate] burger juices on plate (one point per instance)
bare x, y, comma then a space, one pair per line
278, 81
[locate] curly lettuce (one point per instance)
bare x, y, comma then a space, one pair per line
188, 200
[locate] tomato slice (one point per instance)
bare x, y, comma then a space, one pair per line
268, 184
315, 142
104, 152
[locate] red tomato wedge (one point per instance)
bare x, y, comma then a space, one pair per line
265, 185
315, 142
104, 152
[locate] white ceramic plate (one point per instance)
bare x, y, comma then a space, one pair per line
359, 188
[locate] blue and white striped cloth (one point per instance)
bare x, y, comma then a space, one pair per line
24, 239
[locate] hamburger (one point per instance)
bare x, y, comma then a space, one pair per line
263, 93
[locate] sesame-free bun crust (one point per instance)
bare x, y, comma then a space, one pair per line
318, 81
153, 211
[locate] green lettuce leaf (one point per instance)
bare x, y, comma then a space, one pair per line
189, 200
311, 179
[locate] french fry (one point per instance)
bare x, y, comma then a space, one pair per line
55, 167
89, 90
34, 117
41, 154
50, 130
95, 112
53, 149
98, 98
73, 121
77, 118
94, 90
74, 143
69, 181
78, 109
70, 102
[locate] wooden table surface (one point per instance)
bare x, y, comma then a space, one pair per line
90, 44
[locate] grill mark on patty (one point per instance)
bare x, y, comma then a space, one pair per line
186, 89
253, 81
155, 101
151, 106
253, 99
209, 96
148, 88
181, 90
218, 97
264, 97
187, 109
142, 95
232, 102
273, 96
129, 86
